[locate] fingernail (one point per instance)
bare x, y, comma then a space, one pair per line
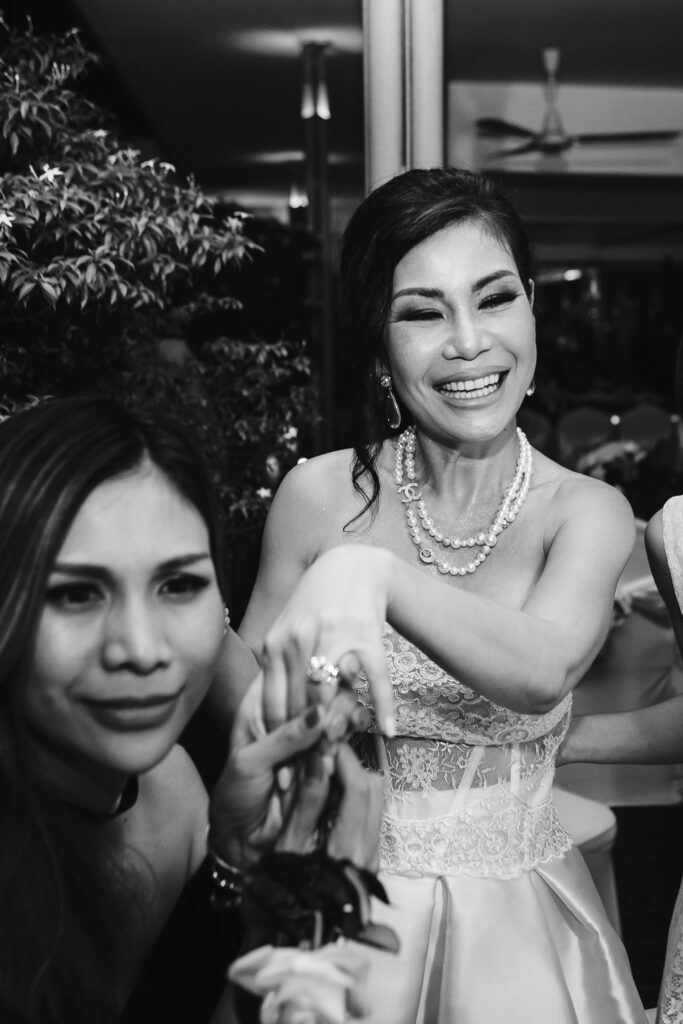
312, 716
328, 764
389, 727
284, 778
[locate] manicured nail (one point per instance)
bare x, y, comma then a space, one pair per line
328, 764
285, 777
389, 727
312, 716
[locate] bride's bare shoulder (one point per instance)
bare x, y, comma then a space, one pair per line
569, 493
319, 487
322, 473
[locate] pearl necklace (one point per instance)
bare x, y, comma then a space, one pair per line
420, 521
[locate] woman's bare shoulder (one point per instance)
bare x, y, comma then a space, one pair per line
321, 470
574, 501
568, 488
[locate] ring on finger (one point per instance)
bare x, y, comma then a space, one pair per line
322, 672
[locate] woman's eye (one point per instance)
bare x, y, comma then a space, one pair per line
497, 299
74, 596
421, 314
184, 585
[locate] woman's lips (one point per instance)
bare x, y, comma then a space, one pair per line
123, 713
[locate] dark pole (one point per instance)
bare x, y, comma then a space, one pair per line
315, 111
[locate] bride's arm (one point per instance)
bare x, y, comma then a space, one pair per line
526, 659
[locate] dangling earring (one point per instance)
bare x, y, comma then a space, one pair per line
226, 621
531, 389
392, 413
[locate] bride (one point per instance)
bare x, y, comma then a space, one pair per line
471, 579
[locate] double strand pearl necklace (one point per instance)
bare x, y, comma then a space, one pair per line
420, 522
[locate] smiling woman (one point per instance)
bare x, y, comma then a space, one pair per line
128, 638
110, 599
111, 604
462, 571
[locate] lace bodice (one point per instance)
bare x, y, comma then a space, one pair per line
468, 781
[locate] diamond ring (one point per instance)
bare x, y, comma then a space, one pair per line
322, 672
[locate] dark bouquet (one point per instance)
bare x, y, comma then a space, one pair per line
308, 900
300, 910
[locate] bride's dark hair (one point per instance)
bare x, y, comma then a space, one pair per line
65, 912
390, 222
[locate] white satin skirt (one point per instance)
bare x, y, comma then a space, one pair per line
533, 949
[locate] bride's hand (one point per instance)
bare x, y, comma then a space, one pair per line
336, 612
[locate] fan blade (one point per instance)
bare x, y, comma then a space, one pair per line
527, 147
607, 137
495, 126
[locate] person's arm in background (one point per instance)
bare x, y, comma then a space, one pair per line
650, 735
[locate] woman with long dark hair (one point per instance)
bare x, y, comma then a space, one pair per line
472, 578
112, 612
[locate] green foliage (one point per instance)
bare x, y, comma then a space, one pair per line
104, 254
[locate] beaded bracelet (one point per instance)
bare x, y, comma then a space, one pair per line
227, 881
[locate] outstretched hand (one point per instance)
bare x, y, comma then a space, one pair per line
337, 611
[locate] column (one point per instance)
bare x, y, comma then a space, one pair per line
425, 61
383, 64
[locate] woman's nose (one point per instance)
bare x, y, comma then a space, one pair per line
466, 339
135, 639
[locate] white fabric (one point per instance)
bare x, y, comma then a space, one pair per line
670, 1009
498, 917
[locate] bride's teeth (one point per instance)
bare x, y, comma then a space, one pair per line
478, 384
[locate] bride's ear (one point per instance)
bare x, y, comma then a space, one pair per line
532, 293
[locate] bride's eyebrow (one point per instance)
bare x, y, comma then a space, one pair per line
490, 278
424, 293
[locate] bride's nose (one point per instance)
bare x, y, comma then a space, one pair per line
466, 338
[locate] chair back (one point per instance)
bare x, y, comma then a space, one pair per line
646, 424
579, 431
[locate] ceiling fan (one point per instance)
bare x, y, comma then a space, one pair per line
553, 138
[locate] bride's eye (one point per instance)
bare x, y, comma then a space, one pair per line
184, 586
496, 299
420, 314
74, 596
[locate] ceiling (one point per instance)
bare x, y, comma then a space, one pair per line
215, 85
218, 82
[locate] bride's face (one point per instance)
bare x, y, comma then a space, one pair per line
460, 338
130, 630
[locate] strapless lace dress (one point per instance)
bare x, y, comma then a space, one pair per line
671, 996
498, 917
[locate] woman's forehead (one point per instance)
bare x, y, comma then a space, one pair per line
140, 514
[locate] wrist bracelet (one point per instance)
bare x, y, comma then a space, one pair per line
227, 882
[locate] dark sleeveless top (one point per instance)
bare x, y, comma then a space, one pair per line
183, 976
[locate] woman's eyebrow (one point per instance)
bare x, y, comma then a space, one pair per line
100, 572
437, 293
490, 278
425, 293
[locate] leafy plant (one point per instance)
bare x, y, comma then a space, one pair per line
105, 256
